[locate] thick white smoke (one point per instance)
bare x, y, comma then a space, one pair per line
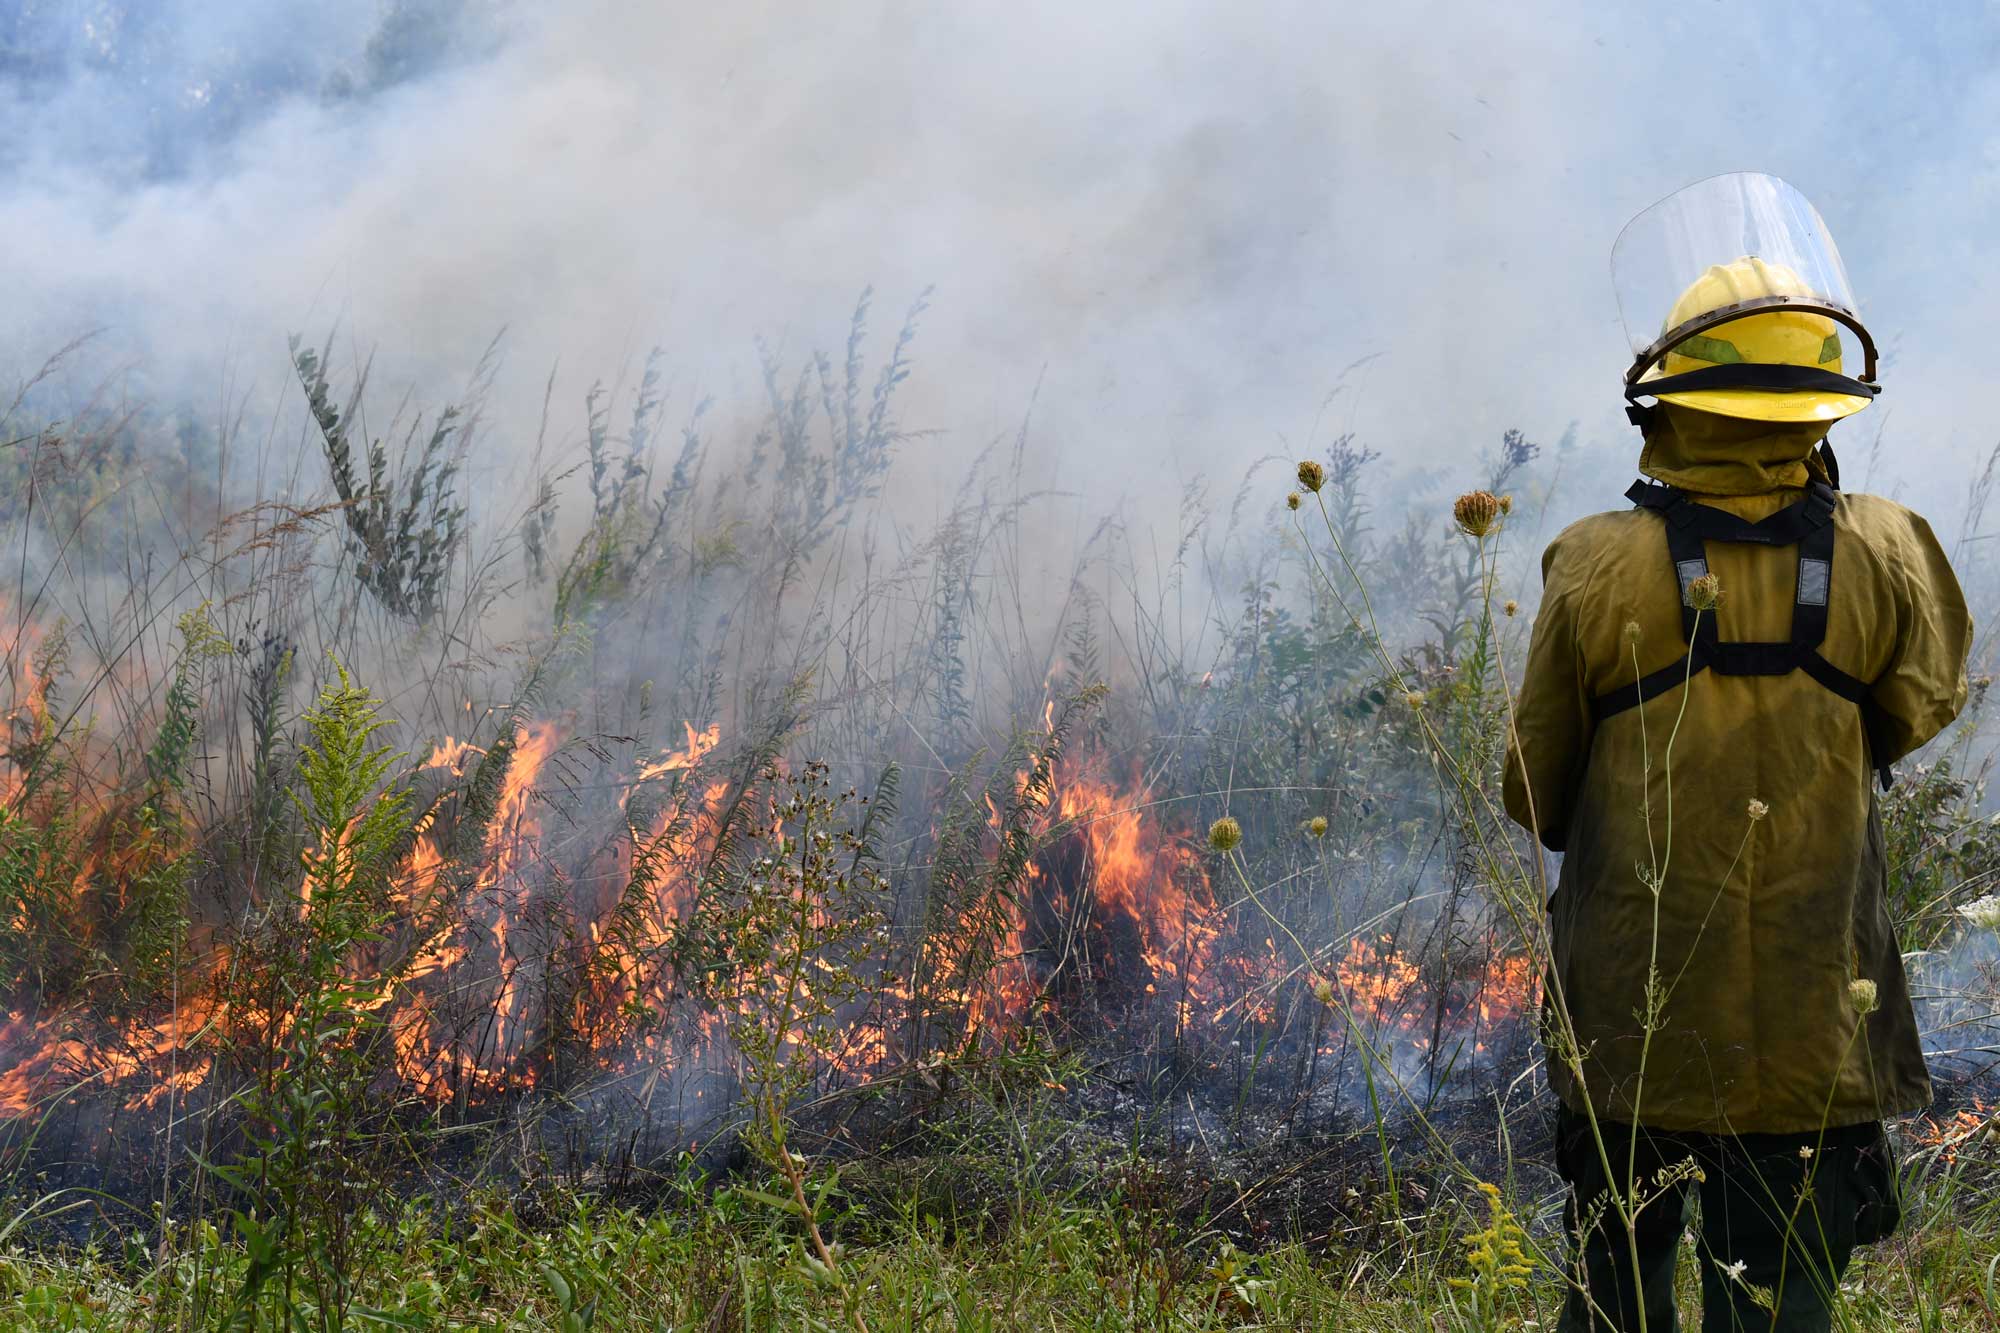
1182, 220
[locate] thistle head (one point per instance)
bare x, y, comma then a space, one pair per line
1705, 593
1311, 475
1476, 512
1225, 834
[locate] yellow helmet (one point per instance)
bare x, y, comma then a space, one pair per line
1767, 337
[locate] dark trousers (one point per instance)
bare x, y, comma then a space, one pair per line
1788, 1208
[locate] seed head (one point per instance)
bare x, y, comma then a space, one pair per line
1292, 500
1862, 997
1632, 632
1511, 607
1225, 834
1414, 698
1316, 826
1322, 990
1757, 810
1311, 475
1506, 505
1476, 512
1705, 593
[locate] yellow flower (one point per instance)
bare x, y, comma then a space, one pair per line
1224, 834
1316, 826
1476, 512
1705, 593
1311, 475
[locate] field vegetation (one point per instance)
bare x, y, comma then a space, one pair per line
458, 878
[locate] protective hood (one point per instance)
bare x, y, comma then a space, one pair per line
1715, 455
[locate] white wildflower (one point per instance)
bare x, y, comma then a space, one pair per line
1983, 912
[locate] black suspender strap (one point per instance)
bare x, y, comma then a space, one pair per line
1808, 525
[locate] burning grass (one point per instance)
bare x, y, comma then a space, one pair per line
437, 919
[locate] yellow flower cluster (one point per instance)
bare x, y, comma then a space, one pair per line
1496, 1254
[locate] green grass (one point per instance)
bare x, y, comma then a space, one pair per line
728, 1265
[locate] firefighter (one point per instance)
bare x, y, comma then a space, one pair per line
1716, 677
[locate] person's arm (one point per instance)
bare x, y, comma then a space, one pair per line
1923, 687
1550, 738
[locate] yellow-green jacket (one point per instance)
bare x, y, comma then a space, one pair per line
1763, 920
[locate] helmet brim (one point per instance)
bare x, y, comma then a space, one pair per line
1759, 405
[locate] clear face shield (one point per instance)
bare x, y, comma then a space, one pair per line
1735, 301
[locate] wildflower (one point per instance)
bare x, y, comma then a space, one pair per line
1414, 698
1756, 809
1734, 1272
1476, 512
1632, 632
1506, 505
1224, 834
1862, 996
1311, 475
1511, 607
1316, 826
1292, 500
1495, 1254
1322, 990
1983, 912
1805, 1152
1705, 593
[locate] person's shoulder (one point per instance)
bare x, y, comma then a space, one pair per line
1584, 548
1596, 534
1882, 522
